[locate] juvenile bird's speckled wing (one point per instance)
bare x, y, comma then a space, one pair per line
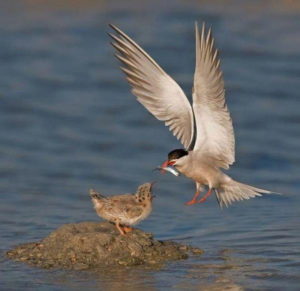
215, 135
155, 89
125, 208
134, 211
119, 203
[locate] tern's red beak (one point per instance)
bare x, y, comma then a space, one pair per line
164, 165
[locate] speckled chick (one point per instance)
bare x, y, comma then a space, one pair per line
124, 210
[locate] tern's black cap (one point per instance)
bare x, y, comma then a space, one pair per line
176, 154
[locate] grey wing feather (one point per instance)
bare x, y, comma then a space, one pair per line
215, 135
155, 89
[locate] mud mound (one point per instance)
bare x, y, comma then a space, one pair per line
91, 244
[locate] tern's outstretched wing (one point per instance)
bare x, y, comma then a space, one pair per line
215, 134
155, 89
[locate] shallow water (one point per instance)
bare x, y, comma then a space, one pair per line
69, 123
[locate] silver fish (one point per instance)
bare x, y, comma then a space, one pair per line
169, 169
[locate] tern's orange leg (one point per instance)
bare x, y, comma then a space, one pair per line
127, 229
120, 229
203, 199
193, 201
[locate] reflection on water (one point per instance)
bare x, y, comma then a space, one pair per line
68, 123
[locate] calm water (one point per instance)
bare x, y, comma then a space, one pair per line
69, 123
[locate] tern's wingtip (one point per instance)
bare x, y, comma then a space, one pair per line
115, 28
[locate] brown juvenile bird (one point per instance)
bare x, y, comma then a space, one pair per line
124, 210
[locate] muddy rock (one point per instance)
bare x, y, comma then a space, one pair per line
91, 244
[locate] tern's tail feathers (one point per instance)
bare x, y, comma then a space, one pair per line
232, 191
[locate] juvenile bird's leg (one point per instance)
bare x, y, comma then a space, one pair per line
127, 229
120, 229
203, 199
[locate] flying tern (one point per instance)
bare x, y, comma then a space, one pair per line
204, 127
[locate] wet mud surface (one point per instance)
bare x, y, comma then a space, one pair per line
88, 245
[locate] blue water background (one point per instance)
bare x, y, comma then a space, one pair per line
68, 123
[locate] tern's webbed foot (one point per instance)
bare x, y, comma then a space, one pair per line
194, 199
202, 200
191, 202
